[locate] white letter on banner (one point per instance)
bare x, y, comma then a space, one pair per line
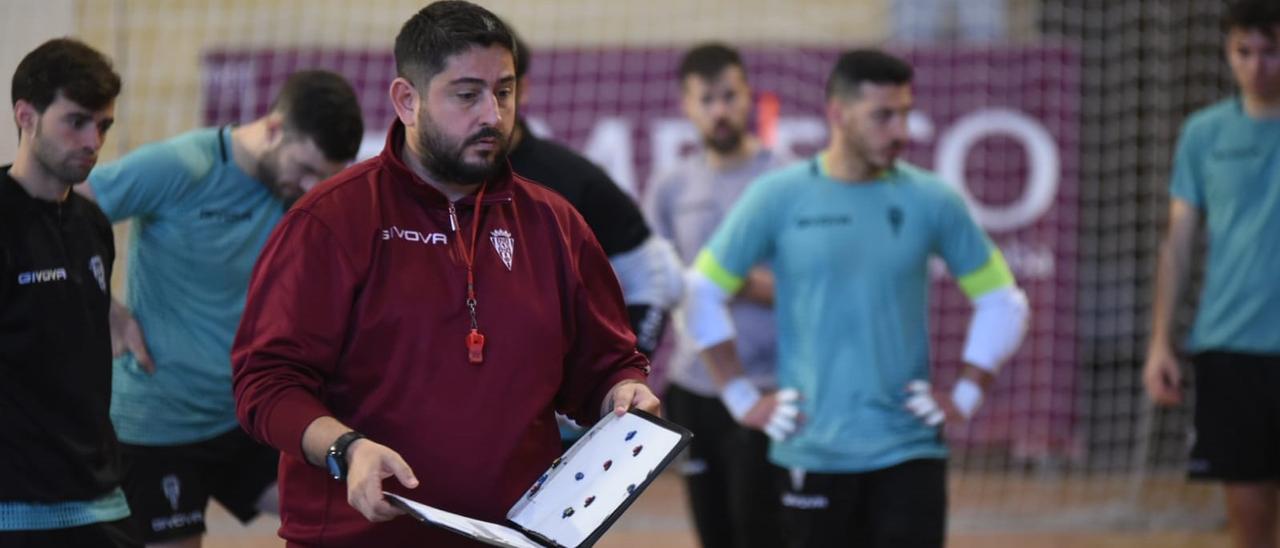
793, 131
610, 146
1042, 158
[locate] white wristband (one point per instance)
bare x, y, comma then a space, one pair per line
967, 396
739, 396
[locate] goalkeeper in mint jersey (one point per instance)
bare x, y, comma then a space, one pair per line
856, 427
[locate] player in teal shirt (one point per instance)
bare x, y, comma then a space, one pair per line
202, 206
849, 234
730, 505
1226, 182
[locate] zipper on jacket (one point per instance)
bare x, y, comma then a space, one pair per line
455, 250
61, 231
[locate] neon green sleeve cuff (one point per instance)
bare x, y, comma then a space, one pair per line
993, 275
707, 265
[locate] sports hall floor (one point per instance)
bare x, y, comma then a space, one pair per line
658, 519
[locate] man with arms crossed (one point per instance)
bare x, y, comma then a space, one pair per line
727, 474
647, 268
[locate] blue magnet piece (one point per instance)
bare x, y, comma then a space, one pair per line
567, 512
579, 476
543, 479
631, 488
588, 502
630, 435
608, 464
636, 451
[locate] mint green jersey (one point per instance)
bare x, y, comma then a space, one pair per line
199, 222
1228, 166
851, 262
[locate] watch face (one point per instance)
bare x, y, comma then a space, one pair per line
335, 468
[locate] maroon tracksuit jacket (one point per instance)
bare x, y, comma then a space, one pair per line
356, 310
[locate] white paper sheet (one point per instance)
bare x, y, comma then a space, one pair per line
491, 533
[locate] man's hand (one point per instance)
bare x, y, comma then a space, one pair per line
628, 394
369, 463
1162, 376
776, 414
126, 336
933, 408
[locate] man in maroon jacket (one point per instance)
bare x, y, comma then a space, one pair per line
422, 314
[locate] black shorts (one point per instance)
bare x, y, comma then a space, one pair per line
168, 487
1237, 418
112, 534
900, 506
727, 475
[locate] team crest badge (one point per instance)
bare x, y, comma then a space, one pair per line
99, 272
172, 488
504, 244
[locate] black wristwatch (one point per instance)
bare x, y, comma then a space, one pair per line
336, 459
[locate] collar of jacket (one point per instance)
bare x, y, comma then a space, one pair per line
12, 192
499, 190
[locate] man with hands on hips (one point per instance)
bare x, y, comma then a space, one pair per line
849, 234
422, 315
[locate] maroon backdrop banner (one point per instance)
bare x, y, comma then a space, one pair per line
1001, 123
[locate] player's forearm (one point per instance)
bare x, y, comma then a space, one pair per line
706, 310
738, 394
722, 362
1173, 270
117, 313
999, 323
1171, 278
652, 283
996, 330
983, 378
709, 325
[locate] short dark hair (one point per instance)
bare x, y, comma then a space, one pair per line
441, 30
866, 65
1259, 15
322, 105
69, 66
708, 61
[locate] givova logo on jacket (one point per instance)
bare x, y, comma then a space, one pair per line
429, 238
42, 276
504, 244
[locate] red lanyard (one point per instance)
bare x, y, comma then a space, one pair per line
474, 339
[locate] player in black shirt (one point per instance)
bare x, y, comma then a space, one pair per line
647, 266
59, 453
